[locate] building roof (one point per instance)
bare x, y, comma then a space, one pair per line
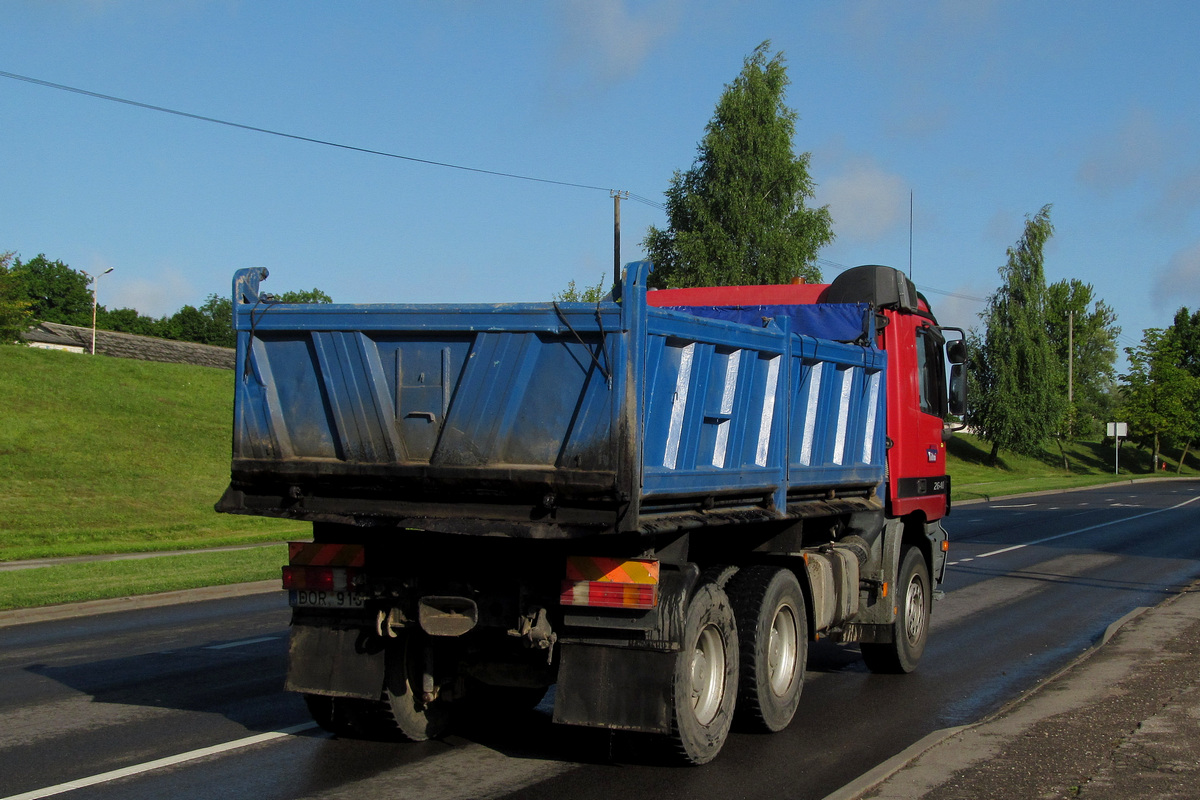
128, 345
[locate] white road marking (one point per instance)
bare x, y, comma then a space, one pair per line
227, 645
1077, 531
160, 763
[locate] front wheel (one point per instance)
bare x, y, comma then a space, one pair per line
705, 682
911, 628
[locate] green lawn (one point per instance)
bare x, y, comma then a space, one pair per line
1088, 464
72, 583
107, 455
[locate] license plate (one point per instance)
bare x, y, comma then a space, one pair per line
316, 598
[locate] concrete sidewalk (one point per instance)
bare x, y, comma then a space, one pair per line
1119, 723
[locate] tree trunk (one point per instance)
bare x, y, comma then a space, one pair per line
994, 458
1187, 446
1063, 452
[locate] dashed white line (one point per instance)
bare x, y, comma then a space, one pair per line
1075, 532
227, 645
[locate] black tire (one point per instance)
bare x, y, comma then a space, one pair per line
343, 716
406, 713
772, 624
704, 691
914, 599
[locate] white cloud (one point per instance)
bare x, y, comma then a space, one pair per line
165, 295
1179, 283
1133, 150
609, 40
866, 202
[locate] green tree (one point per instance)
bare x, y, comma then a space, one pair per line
586, 294
218, 310
126, 320
738, 215
1083, 334
1184, 334
303, 296
1016, 401
56, 293
15, 318
1161, 395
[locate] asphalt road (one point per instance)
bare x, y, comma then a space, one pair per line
188, 697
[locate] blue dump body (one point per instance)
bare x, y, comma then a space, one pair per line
551, 420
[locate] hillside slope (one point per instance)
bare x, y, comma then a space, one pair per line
101, 455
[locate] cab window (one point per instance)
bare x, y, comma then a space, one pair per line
931, 371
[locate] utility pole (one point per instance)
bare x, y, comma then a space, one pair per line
616, 196
95, 281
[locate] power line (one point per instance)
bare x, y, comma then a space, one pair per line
309, 139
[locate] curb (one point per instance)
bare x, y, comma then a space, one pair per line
874, 777
88, 608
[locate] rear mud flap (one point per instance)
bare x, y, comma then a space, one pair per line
331, 657
615, 687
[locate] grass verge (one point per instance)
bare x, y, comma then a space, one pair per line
73, 583
1087, 464
109, 455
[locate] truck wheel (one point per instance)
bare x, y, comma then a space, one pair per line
911, 628
706, 675
330, 713
407, 711
772, 624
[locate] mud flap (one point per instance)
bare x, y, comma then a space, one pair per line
334, 657
615, 687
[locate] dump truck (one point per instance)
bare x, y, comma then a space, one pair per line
652, 503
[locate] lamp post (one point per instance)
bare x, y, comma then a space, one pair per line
95, 286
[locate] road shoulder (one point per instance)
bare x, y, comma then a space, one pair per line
1119, 722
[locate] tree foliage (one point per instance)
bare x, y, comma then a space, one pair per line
1075, 319
54, 291
1016, 400
304, 296
1161, 394
738, 215
15, 318
584, 294
50, 291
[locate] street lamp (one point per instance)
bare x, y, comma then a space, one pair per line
95, 281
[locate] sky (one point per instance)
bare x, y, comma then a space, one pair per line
973, 114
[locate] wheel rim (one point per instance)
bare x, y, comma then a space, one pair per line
782, 647
914, 610
708, 674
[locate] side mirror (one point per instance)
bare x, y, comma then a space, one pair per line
958, 390
956, 352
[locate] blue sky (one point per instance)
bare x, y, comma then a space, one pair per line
983, 111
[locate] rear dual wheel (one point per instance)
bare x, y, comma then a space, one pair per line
773, 630
407, 711
704, 688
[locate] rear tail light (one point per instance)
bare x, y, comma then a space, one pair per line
329, 579
610, 583
324, 567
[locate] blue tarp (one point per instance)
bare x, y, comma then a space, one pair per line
841, 322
